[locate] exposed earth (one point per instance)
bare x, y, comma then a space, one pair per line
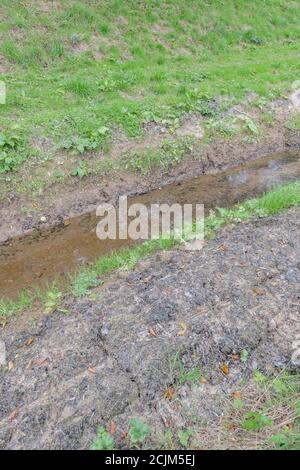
118, 351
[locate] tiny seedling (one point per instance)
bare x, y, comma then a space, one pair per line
103, 441
138, 431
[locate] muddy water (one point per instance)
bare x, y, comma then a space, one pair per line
42, 256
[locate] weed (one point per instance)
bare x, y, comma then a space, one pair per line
90, 140
191, 375
103, 441
80, 170
168, 154
13, 150
52, 302
138, 432
254, 421
184, 437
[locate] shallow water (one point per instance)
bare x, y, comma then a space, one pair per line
40, 257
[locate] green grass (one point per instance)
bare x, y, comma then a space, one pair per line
271, 203
125, 259
168, 154
158, 60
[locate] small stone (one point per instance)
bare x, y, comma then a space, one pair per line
272, 324
43, 219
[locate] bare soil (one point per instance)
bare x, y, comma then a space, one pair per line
113, 356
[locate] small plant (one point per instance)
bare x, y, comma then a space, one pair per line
168, 154
288, 440
192, 375
259, 377
52, 302
138, 431
184, 436
87, 279
90, 140
12, 151
80, 170
75, 39
254, 421
244, 356
251, 126
103, 441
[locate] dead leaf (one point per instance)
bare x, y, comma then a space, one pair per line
169, 392
234, 357
237, 394
10, 365
152, 332
230, 426
200, 310
258, 291
183, 327
40, 362
203, 380
224, 368
217, 275
112, 427
92, 370
29, 341
29, 364
167, 422
224, 247
13, 415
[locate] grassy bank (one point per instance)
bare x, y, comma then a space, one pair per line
76, 71
269, 204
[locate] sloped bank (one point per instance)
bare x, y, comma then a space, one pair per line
114, 355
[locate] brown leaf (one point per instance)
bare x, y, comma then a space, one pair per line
183, 327
40, 362
169, 392
236, 394
230, 426
10, 365
200, 310
234, 357
258, 291
92, 370
112, 427
29, 341
224, 247
224, 368
13, 415
167, 422
152, 332
203, 380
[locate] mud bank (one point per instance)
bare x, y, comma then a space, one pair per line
112, 356
20, 213
32, 260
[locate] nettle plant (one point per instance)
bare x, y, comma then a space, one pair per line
89, 141
12, 150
